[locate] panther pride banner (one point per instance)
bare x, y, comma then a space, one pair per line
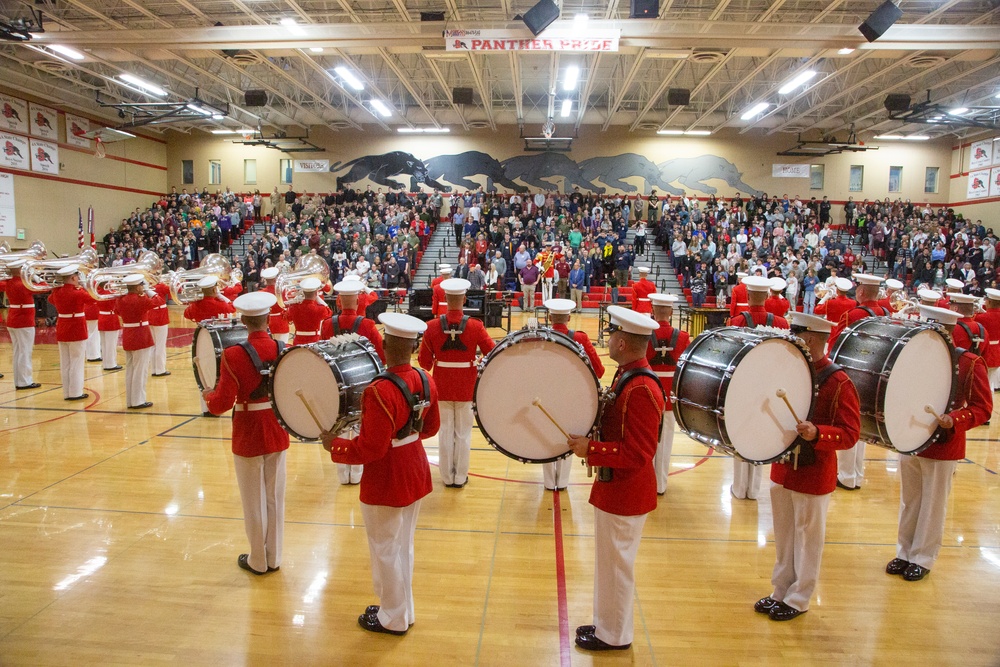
515, 40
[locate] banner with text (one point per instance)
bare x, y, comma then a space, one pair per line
790, 170
514, 40
979, 184
981, 154
8, 223
76, 127
14, 151
44, 121
995, 182
312, 165
44, 156
13, 114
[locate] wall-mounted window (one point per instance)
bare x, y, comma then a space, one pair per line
895, 179
215, 172
285, 167
857, 182
931, 180
816, 175
187, 172
250, 172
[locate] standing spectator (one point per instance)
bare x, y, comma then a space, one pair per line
698, 290
576, 284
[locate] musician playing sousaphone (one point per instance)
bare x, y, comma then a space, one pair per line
308, 313
893, 292
71, 330
801, 488
991, 320
20, 326
836, 305
278, 321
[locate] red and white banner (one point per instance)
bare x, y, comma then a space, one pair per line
312, 165
14, 151
44, 156
979, 184
515, 40
995, 182
76, 127
981, 154
8, 222
13, 114
44, 121
790, 171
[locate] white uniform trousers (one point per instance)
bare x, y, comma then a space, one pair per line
281, 337
93, 341
348, 474
71, 367
616, 542
746, 479
924, 485
109, 349
799, 534
851, 465
455, 441
555, 474
262, 490
546, 289
159, 360
390, 544
136, 373
661, 460
23, 343
995, 378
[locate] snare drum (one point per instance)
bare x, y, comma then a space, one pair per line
725, 388
332, 375
210, 339
898, 367
527, 364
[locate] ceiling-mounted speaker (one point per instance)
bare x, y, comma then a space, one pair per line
461, 95
644, 9
897, 102
540, 16
431, 16
678, 97
255, 98
880, 20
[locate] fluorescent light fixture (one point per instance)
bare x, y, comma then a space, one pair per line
845, 52
572, 77
581, 18
381, 108
755, 110
67, 51
800, 80
997, 95
670, 132
423, 130
292, 26
958, 111
896, 137
217, 116
224, 132
567, 106
690, 133
316, 49
349, 78
197, 109
666, 54
121, 132
144, 85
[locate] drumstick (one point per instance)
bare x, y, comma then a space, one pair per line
302, 397
930, 410
538, 404
780, 393
201, 373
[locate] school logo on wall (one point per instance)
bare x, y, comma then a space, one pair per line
13, 151
13, 114
43, 121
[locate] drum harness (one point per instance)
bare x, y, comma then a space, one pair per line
335, 323
265, 369
976, 340
663, 356
804, 453
748, 318
605, 474
418, 404
454, 341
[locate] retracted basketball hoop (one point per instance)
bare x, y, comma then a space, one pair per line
102, 136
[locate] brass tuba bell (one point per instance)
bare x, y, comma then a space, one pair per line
41, 275
286, 287
184, 284
35, 251
106, 283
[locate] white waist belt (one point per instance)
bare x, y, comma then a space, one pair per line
453, 364
130, 325
306, 333
405, 441
664, 374
20, 305
443, 303
743, 304
251, 407
71, 314
158, 307
641, 299
104, 312
995, 342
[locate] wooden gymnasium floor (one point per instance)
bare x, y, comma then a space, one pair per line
119, 534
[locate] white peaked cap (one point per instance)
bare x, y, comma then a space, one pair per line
208, 281
954, 283
741, 274
961, 298
810, 322
843, 284
269, 272
401, 325
892, 283
866, 279
929, 295
631, 321
310, 285
991, 294
643, 269
757, 283
348, 287
69, 270
133, 279
941, 315
353, 276
778, 284
560, 306
254, 304
444, 269
659, 299
455, 286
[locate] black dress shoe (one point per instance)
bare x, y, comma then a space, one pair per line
273, 569
371, 623
161, 375
33, 385
244, 562
115, 368
782, 612
147, 404
915, 573
592, 643
78, 398
372, 609
586, 630
209, 415
897, 566
841, 485
93, 360
764, 605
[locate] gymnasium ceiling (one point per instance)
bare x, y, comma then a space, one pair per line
729, 53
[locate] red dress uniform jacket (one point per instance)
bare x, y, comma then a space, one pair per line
835, 309
739, 300
777, 305
158, 315
630, 432
308, 317
666, 371
640, 296
255, 432
107, 319
395, 476
857, 313
974, 404
944, 301
990, 320
365, 300
837, 418
583, 339
759, 316
208, 308
70, 301
232, 291
133, 309
439, 305
277, 321
962, 339
92, 311
20, 304
886, 306
455, 382
346, 320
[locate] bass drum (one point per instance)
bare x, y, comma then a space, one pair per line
210, 339
527, 364
898, 367
331, 375
725, 388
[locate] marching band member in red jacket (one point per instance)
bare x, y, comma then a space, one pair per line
625, 490
555, 475
951, 286
397, 476
71, 330
278, 321
801, 490
891, 287
159, 325
439, 303
137, 339
259, 442
666, 345
366, 297
308, 314
836, 308
991, 320
968, 334
925, 479
20, 326
776, 303
641, 290
108, 327
232, 291
738, 299
210, 306
449, 348
92, 313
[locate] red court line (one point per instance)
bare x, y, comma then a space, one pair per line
97, 399
564, 655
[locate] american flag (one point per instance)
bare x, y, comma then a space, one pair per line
90, 226
79, 236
